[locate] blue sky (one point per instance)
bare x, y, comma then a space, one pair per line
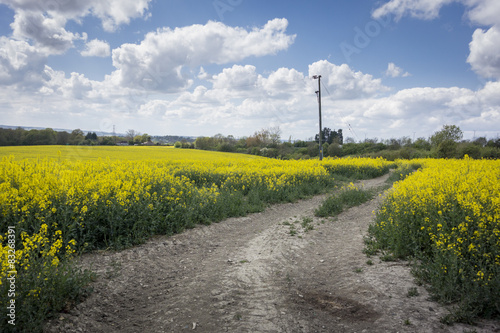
389, 68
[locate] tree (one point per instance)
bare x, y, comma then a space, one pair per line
275, 135
447, 133
137, 139
325, 135
405, 141
329, 136
494, 143
76, 137
204, 143
40, 137
422, 143
107, 140
131, 134
481, 141
62, 138
226, 144
300, 144
447, 149
394, 144
340, 137
261, 138
91, 136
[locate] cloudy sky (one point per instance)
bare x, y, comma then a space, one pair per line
390, 68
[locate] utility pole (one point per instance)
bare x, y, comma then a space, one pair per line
318, 93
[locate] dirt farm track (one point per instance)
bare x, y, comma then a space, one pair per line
250, 274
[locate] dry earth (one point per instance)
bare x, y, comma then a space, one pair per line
250, 274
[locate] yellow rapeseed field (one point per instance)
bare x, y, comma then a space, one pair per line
55, 200
113, 153
58, 200
447, 215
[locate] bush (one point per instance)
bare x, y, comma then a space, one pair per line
447, 149
334, 150
313, 149
470, 149
226, 147
490, 152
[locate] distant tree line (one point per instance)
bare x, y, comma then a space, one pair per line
170, 140
268, 143
48, 136
22, 137
446, 143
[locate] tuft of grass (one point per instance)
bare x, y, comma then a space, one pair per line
412, 292
307, 224
388, 257
349, 196
448, 319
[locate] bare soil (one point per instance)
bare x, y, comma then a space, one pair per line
250, 274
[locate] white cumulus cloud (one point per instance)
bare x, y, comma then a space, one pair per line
237, 78
424, 110
484, 56
48, 33
285, 82
44, 21
395, 71
20, 62
157, 63
114, 13
422, 9
96, 48
345, 83
483, 12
